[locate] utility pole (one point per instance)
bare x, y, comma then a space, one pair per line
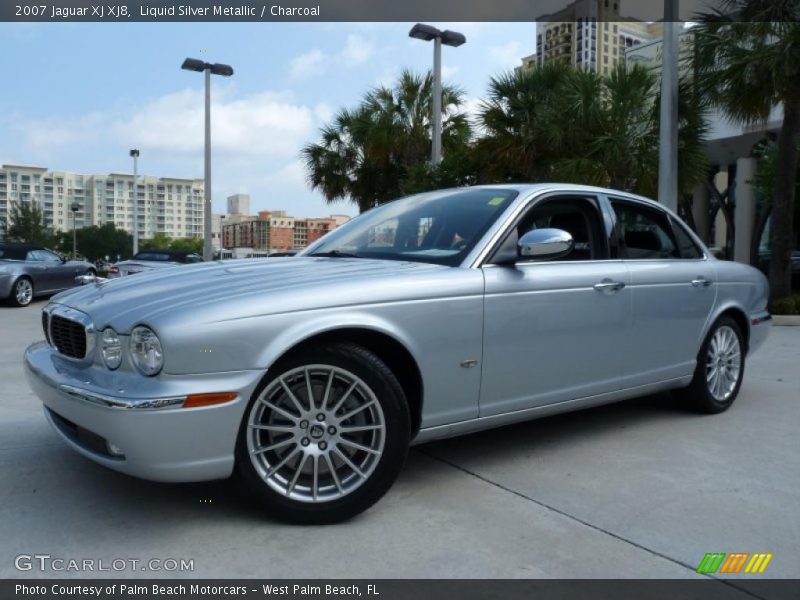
668, 118
135, 155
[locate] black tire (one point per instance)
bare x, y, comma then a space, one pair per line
698, 395
13, 296
380, 384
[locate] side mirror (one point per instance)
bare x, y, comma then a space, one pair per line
545, 244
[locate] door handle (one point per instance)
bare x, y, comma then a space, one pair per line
701, 282
609, 286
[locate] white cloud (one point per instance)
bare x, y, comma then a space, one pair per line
256, 140
323, 112
307, 65
508, 55
449, 71
263, 124
471, 107
357, 50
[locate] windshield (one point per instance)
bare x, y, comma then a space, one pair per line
437, 227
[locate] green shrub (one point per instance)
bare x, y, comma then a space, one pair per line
786, 306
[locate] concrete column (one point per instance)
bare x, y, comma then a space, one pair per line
700, 211
745, 212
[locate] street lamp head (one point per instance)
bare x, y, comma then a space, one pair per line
75, 207
424, 32
134, 153
192, 64
453, 38
220, 69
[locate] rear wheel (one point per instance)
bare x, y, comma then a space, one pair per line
326, 437
720, 369
21, 292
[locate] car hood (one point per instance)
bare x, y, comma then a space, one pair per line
234, 289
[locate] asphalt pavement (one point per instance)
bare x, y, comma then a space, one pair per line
640, 489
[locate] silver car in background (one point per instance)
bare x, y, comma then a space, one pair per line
148, 260
28, 271
428, 317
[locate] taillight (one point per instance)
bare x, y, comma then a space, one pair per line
113, 269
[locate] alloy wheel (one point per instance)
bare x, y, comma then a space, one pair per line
24, 292
316, 433
723, 363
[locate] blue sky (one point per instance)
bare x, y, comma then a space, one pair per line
76, 97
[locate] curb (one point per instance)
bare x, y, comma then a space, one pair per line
786, 320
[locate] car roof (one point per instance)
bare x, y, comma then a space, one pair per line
567, 187
17, 251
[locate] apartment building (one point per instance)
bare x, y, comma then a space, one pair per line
277, 231
589, 34
168, 205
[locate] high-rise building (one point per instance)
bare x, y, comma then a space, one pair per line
588, 34
239, 204
168, 205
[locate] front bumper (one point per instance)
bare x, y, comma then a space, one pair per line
98, 415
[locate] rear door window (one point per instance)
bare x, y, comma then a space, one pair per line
644, 233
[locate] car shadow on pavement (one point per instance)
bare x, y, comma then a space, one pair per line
564, 429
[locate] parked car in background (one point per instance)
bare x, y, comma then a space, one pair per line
148, 260
429, 317
29, 271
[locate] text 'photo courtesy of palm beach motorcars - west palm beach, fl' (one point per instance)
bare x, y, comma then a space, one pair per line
436, 315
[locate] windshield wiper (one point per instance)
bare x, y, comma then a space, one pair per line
336, 254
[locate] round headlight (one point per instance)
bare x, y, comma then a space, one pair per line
146, 350
111, 348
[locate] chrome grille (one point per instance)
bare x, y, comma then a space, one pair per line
68, 336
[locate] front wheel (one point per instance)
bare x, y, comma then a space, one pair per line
720, 369
21, 292
326, 436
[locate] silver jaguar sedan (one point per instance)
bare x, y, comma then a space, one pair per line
428, 317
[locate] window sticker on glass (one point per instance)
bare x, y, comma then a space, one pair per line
497, 200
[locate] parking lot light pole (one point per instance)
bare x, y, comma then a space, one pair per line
74, 207
193, 64
429, 33
135, 155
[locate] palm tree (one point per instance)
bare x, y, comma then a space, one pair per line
367, 153
748, 63
555, 122
521, 120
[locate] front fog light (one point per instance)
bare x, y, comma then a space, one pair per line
146, 350
111, 348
